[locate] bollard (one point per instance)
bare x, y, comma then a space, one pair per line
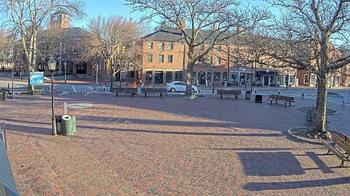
65, 108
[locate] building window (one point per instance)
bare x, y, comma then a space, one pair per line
178, 75
158, 77
218, 60
161, 58
209, 76
169, 76
161, 46
306, 79
148, 76
170, 46
149, 58
194, 76
170, 58
217, 76
224, 76
150, 45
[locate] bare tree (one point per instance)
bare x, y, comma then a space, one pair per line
27, 17
201, 22
310, 34
113, 40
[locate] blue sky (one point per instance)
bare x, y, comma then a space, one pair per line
105, 8
117, 7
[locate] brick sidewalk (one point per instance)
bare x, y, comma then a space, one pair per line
167, 146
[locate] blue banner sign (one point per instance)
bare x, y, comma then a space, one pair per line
36, 78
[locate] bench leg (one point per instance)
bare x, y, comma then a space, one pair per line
221, 96
116, 94
145, 94
271, 101
132, 94
285, 104
236, 96
161, 94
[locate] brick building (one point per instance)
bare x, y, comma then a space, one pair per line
165, 60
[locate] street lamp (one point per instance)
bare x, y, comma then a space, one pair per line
52, 68
65, 72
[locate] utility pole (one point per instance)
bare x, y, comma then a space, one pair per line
60, 61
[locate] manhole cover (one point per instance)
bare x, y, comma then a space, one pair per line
80, 105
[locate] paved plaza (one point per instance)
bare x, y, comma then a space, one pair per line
169, 146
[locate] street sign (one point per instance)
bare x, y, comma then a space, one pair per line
36, 78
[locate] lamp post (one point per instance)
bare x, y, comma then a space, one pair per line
213, 76
52, 68
65, 72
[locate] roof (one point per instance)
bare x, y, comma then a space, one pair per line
175, 35
7, 183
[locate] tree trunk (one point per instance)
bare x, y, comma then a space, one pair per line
190, 67
321, 103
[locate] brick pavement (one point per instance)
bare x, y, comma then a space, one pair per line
167, 146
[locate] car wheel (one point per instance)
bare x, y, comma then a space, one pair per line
173, 90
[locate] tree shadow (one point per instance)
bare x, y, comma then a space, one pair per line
260, 186
270, 164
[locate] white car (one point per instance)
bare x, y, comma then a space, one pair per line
179, 86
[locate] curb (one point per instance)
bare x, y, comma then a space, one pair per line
312, 141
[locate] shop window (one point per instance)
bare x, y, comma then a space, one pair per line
224, 77
209, 76
158, 77
169, 76
179, 75
217, 76
148, 76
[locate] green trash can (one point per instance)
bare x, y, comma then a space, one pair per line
69, 125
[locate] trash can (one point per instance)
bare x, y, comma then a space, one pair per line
248, 95
59, 130
69, 125
258, 98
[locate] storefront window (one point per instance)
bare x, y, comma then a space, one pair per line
169, 76
217, 76
224, 76
158, 77
148, 76
178, 75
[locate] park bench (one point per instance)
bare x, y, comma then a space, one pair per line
7, 182
222, 92
285, 99
132, 91
339, 144
161, 91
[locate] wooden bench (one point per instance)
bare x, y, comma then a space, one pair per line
161, 91
132, 91
285, 99
339, 145
222, 92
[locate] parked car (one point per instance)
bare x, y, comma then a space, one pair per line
179, 86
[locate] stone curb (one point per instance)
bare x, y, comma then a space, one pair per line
312, 141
